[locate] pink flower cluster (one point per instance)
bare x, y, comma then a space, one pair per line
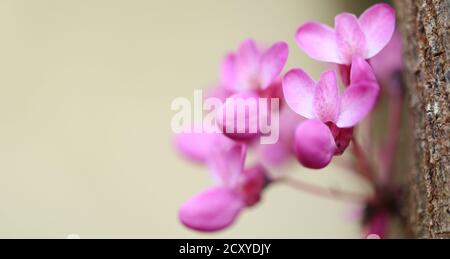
317, 120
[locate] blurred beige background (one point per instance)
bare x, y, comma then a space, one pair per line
85, 93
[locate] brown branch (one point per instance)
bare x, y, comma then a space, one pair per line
426, 34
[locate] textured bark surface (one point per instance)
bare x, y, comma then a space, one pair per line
425, 28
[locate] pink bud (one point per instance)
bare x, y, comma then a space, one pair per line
254, 181
314, 144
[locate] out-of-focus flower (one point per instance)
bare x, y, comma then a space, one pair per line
365, 36
331, 115
278, 154
388, 65
237, 188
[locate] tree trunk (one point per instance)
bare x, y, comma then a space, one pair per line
425, 28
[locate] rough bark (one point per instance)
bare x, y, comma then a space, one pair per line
425, 28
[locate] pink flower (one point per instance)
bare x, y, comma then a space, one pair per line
253, 68
331, 115
365, 36
236, 188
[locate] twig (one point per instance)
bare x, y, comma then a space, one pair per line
363, 162
329, 193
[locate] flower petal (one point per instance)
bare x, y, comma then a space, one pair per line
388, 64
272, 63
350, 38
194, 146
356, 102
390, 60
361, 72
227, 163
326, 97
228, 72
211, 210
378, 25
247, 65
319, 42
218, 91
314, 144
274, 155
298, 89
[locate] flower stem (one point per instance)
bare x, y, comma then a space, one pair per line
363, 163
329, 193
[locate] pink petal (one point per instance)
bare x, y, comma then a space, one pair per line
314, 144
194, 146
247, 66
274, 155
211, 210
361, 72
248, 52
298, 89
360, 97
238, 118
272, 63
356, 102
227, 163
319, 42
228, 72
326, 97
378, 25
350, 38
219, 92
